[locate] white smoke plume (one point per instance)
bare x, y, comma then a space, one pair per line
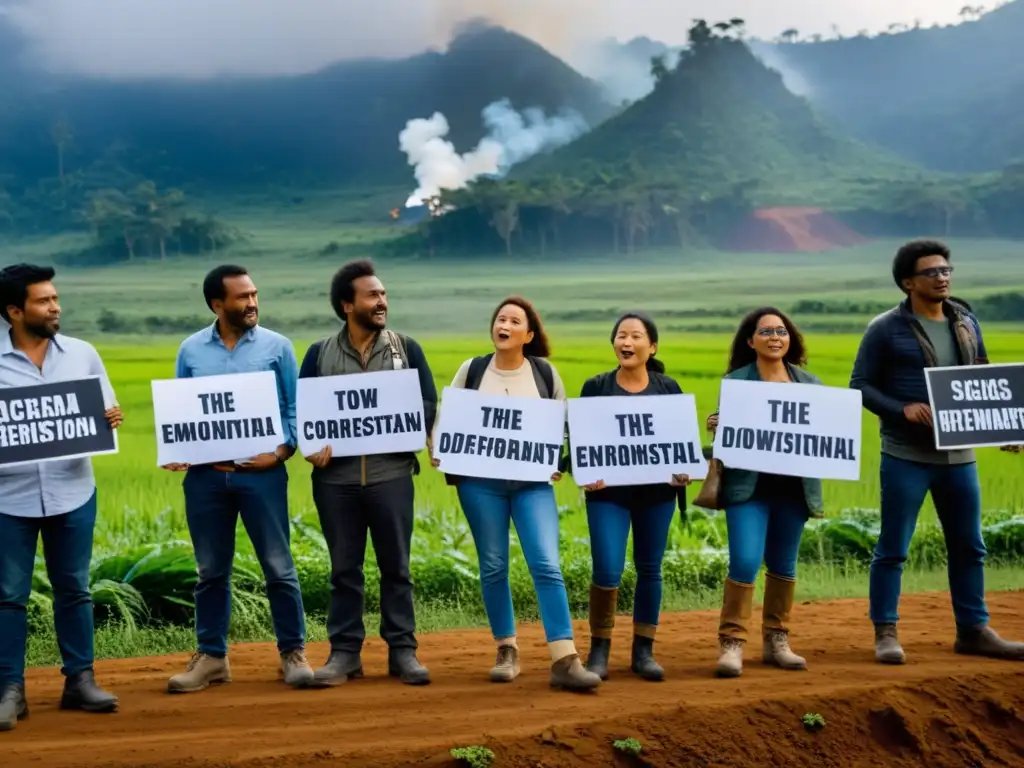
511, 138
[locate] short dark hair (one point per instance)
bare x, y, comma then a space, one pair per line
741, 354
342, 289
904, 263
652, 333
213, 284
538, 346
14, 283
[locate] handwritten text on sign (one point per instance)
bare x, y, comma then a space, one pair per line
360, 414
499, 437
641, 440
58, 420
801, 430
216, 418
977, 406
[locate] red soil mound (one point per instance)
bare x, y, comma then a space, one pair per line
938, 710
792, 230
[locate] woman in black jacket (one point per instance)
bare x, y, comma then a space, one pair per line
648, 509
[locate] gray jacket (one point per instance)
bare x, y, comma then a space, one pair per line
335, 356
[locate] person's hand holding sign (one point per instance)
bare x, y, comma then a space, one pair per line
262, 462
321, 458
680, 480
712, 423
590, 487
114, 417
1012, 448
918, 413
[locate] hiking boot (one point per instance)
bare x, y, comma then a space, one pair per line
403, 664
569, 673
597, 659
81, 692
983, 641
203, 671
730, 657
733, 627
779, 593
643, 663
296, 670
887, 646
341, 666
13, 706
778, 652
506, 667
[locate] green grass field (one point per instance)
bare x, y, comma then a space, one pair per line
142, 555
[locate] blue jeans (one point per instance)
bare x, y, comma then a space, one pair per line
213, 502
489, 506
609, 530
768, 531
67, 547
956, 492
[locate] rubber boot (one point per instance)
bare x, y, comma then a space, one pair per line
643, 662
778, 603
733, 626
603, 603
81, 692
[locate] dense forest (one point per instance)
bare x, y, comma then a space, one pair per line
912, 130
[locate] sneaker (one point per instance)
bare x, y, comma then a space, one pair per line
506, 667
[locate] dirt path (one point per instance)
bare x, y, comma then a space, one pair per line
940, 709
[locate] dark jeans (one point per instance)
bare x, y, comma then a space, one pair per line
213, 502
67, 547
956, 492
346, 513
765, 530
609, 530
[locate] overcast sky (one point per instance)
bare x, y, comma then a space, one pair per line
203, 37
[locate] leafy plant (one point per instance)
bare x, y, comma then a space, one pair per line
630, 746
474, 757
813, 721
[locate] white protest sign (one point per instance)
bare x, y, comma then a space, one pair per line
360, 414
499, 437
637, 440
208, 419
800, 430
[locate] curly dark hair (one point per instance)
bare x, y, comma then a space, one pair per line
342, 290
652, 333
742, 354
904, 263
538, 345
15, 281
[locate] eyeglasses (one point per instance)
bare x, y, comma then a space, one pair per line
768, 332
933, 272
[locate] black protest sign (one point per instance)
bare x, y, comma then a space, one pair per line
58, 420
977, 406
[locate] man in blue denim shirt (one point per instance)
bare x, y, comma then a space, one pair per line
55, 499
929, 329
215, 494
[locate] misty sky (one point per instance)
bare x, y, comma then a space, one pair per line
204, 37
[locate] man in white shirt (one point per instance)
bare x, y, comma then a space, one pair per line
55, 499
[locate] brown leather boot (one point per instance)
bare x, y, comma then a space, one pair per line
737, 607
569, 673
603, 603
778, 602
983, 641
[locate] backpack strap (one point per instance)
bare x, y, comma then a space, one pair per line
396, 343
543, 377
477, 368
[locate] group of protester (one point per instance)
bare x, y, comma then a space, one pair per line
355, 496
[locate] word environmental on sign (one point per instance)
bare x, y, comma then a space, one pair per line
641, 440
208, 419
361, 414
499, 437
977, 406
56, 420
800, 430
